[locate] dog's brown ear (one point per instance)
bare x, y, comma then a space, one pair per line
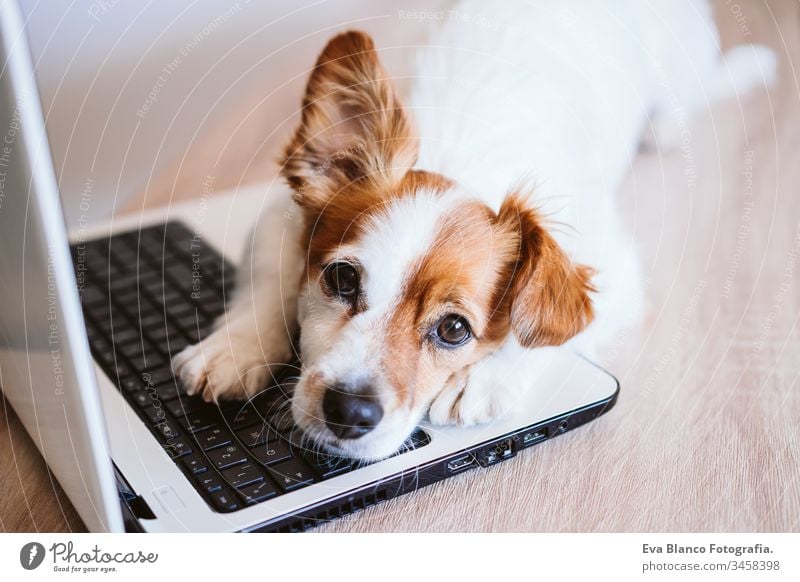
549, 296
353, 126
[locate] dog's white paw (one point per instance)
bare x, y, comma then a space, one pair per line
473, 397
222, 368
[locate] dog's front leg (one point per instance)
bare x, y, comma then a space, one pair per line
489, 389
254, 336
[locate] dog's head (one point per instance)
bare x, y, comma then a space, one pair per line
408, 279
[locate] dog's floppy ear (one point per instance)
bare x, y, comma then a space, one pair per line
353, 126
549, 296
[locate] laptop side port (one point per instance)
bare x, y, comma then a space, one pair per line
534, 436
461, 463
499, 451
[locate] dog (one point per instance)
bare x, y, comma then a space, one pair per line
432, 251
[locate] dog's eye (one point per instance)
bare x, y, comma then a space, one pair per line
342, 279
453, 330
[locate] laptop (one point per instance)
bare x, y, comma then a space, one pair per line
90, 319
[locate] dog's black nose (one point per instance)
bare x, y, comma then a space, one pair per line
348, 415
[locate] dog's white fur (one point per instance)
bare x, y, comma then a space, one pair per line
558, 93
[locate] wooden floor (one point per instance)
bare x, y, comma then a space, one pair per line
706, 435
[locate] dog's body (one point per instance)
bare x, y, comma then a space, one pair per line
432, 223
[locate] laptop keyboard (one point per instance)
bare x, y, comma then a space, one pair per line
148, 294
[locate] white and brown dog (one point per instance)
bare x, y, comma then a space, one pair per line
441, 245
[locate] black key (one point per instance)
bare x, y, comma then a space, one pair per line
173, 256
167, 431
158, 291
194, 464
291, 474
130, 299
154, 245
197, 422
209, 482
241, 416
242, 475
150, 320
96, 268
327, 466
254, 436
224, 501
271, 453
159, 376
176, 448
137, 363
113, 269
225, 457
124, 256
126, 335
172, 345
177, 309
185, 405
132, 384
132, 350
148, 278
141, 398
164, 295
258, 492
184, 277
153, 359
155, 414
158, 335
213, 438
132, 280
167, 391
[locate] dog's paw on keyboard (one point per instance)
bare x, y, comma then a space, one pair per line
219, 368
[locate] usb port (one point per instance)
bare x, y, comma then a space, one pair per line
534, 436
460, 463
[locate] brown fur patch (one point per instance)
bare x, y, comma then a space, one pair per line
353, 126
549, 295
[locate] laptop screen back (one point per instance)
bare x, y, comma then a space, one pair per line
46, 371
